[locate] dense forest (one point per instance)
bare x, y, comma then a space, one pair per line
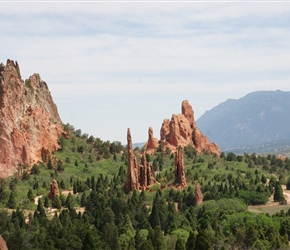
94, 211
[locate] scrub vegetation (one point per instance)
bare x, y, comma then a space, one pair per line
94, 212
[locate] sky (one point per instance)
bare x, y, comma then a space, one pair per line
113, 65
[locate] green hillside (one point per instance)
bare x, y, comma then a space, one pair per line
94, 211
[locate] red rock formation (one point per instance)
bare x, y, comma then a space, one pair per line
146, 173
281, 157
29, 122
181, 130
138, 176
179, 169
54, 190
198, 195
187, 111
132, 181
3, 245
152, 142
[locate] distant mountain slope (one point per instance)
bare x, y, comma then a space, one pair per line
257, 118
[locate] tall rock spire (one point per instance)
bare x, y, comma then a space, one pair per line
132, 181
179, 169
138, 176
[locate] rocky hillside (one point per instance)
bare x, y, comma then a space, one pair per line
29, 121
256, 119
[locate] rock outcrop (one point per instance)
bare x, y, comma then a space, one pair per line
132, 181
54, 190
179, 169
146, 173
29, 121
198, 194
152, 142
138, 176
181, 130
3, 245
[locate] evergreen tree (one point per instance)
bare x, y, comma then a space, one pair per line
88, 242
30, 195
158, 241
46, 202
180, 245
154, 217
83, 200
190, 244
278, 194
11, 202
69, 202
56, 202
288, 184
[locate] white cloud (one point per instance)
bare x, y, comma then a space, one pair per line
111, 61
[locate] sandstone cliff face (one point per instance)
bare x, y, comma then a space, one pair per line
181, 130
29, 122
138, 176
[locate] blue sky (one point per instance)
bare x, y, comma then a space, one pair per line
110, 66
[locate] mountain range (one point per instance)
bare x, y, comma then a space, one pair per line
254, 121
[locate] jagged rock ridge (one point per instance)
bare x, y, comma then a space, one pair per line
138, 176
182, 130
29, 121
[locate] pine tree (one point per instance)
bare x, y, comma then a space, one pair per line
83, 200
288, 184
30, 195
191, 241
278, 194
56, 202
46, 202
11, 202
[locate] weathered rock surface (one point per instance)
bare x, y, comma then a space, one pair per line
146, 173
138, 176
179, 169
54, 190
181, 130
132, 181
152, 142
198, 194
3, 245
29, 121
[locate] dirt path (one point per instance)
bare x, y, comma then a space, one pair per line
64, 192
36, 199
